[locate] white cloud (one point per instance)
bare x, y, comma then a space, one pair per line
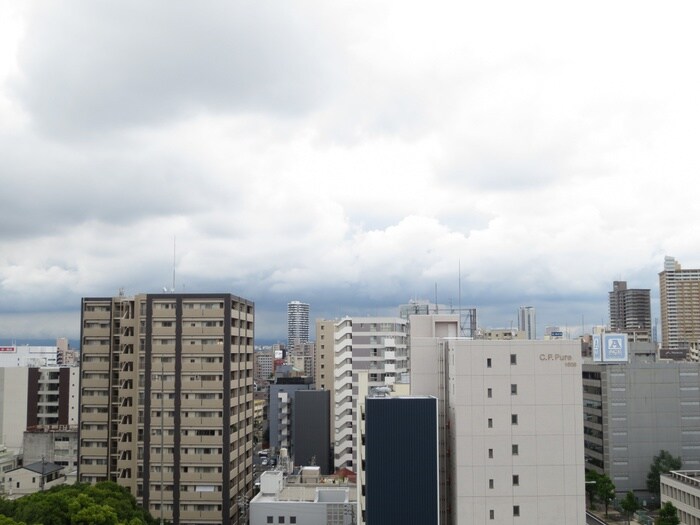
354, 153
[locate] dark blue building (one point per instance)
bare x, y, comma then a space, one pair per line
401, 460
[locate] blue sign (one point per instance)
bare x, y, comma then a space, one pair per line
615, 348
597, 355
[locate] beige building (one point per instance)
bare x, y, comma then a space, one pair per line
511, 424
682, 488
167, 402
679, 293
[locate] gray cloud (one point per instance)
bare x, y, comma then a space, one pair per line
101, 67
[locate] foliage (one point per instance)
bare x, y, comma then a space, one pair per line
4, 520
668, 515
105, 503
605, 490
591, 482
630, 504
662, 463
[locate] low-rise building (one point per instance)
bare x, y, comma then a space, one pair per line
318, 501
682, 488
32, 478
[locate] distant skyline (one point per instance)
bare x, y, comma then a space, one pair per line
351, 155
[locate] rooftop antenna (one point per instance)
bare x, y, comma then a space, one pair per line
173, 288
459, 299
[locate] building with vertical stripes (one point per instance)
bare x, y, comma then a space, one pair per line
166, 402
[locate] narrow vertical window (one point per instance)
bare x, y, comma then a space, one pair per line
488, 362
513, 359
490, 422
513, 390
491, 453
489, 392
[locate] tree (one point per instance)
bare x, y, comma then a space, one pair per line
668, 515
629, 504
605, 490
591, 482
662, 463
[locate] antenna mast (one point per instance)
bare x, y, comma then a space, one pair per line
173, 288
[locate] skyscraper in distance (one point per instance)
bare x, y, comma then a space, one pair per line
527, 321
297, 323
679, 292
630, 311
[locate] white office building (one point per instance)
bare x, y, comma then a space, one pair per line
527, 321
511, 425
297, 323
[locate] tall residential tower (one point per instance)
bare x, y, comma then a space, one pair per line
297, 323
166, 402
680, 309
527, 321
630, 311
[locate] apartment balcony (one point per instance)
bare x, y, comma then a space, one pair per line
390, 355
390, 342
390, 367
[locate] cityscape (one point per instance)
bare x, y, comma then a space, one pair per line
421, 417
343, 263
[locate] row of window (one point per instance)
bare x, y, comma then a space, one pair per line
516, 512
281, 519
513, 360
515, 450
516, 481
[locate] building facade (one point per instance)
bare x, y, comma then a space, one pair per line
634, 410
297, 323
401, 447
167, 402
682, 488
630, 311
281, 408
310, 435
527, 321
510, 425
376, 345
679, 294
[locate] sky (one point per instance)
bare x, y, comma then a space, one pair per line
349, 154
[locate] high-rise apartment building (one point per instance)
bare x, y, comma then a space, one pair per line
527, 321
630, 311
376, 345
297, 323
167, 402
510, 425
680, 308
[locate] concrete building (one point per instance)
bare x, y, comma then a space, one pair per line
280, 408
264, 365
8, 461
527, 321
288, 502
310, 435
297, 323
167, 402
13, 356
630, 311
36, 397
500, 334
633, 410
682, 488
377, 345
401, 446
679, 292
303, 356
58, 445
511, 425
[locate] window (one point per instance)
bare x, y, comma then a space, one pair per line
516, 510
515, 450
513, 359
490, 422
488, 362
292, 519
516, 480
491, 514
491, 453
514, 419
513, 390
489, 392
280, 519
491, 483
269, 519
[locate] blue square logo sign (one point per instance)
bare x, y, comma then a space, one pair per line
597, 354
615, 347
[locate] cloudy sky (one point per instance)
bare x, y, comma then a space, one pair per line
349, 154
